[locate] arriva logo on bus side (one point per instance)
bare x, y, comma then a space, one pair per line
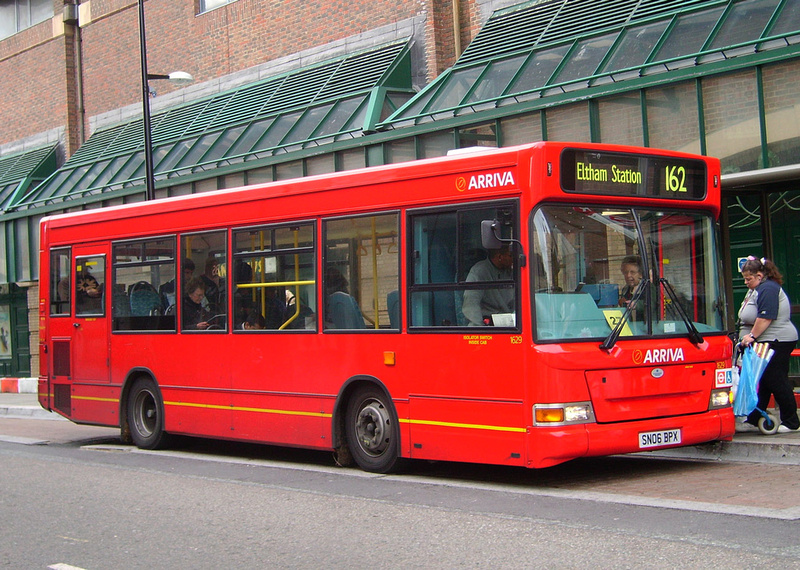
658, 355
485, 181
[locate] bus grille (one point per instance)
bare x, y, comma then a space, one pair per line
62, 401
61, 363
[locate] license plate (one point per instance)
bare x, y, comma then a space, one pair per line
659, 438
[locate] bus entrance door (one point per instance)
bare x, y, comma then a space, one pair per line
90, 324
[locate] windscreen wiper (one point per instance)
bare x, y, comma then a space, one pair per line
611, 339
694, 335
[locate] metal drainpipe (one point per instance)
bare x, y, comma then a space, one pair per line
457, 27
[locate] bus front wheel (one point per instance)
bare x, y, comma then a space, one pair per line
371, 431
146, 415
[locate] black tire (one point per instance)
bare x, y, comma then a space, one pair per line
372, 432
146, 415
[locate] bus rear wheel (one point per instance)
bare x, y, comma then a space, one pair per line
146, 415
371, 430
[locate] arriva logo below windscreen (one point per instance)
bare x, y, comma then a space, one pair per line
485, 181
658, 355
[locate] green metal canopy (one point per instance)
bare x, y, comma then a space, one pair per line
20, 172
330, 101
538, 49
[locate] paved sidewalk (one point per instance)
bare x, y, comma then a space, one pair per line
781, 449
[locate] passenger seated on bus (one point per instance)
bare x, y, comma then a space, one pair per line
193, 315
480, 304
341, 309
214, 286
254, 321
169, 291
88, 294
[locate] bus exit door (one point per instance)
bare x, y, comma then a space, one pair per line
90, 345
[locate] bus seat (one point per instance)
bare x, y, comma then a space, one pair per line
393, 306
120, 305
345, 313
145, 302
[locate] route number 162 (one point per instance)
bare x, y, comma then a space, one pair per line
676, 178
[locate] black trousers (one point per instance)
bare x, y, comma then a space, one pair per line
775, 382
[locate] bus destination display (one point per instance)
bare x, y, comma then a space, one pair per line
592, 172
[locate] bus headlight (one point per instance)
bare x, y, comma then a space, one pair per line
719, 399
562, 414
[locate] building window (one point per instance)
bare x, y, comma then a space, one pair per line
206, 5
521, 129
672, 117
17, 15
781, 105
620, 119
733, 132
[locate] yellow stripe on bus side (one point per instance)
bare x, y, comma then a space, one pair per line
315, 414
241, 409
466, 426
93, 399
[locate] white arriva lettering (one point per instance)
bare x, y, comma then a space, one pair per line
658, 355
494, 180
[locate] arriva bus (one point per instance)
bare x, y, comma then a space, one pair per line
519, 306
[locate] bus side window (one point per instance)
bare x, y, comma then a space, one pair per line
454, 281
60, 282
140, 270
208, 253
362, 273
274, 282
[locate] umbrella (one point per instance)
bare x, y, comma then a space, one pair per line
754, 361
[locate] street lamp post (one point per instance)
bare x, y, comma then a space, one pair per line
178, 78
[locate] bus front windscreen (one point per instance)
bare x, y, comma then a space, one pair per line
593, 266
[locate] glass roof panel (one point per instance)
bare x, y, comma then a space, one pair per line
458, 84
197, 153
745, 22
689, 34
585, 59
497, 77
788, 21
635, 46
539, 69
339, 117
250, 137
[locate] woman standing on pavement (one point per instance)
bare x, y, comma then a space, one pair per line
764, 317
